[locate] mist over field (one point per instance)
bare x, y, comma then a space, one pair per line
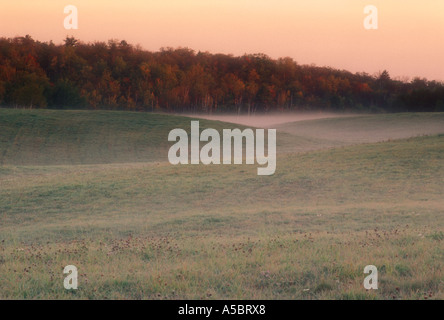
270, 119
322, 129
240, 151
95, 189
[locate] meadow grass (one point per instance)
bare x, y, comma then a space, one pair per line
55, 137
150, 230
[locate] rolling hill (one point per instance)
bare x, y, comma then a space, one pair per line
140, 228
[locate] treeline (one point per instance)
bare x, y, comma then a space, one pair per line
117, 75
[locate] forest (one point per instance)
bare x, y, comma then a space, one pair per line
121, 76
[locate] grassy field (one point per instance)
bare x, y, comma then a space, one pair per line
94, 189
48, 137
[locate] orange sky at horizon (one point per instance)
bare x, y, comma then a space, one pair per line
408, 43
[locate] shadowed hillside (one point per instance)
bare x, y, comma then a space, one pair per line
48, 137
44, 137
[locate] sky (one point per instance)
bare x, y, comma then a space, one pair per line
409, 40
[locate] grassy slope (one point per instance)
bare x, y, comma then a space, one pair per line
151, 230
45, 137
334, 132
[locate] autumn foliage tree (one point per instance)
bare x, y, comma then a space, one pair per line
118, 75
